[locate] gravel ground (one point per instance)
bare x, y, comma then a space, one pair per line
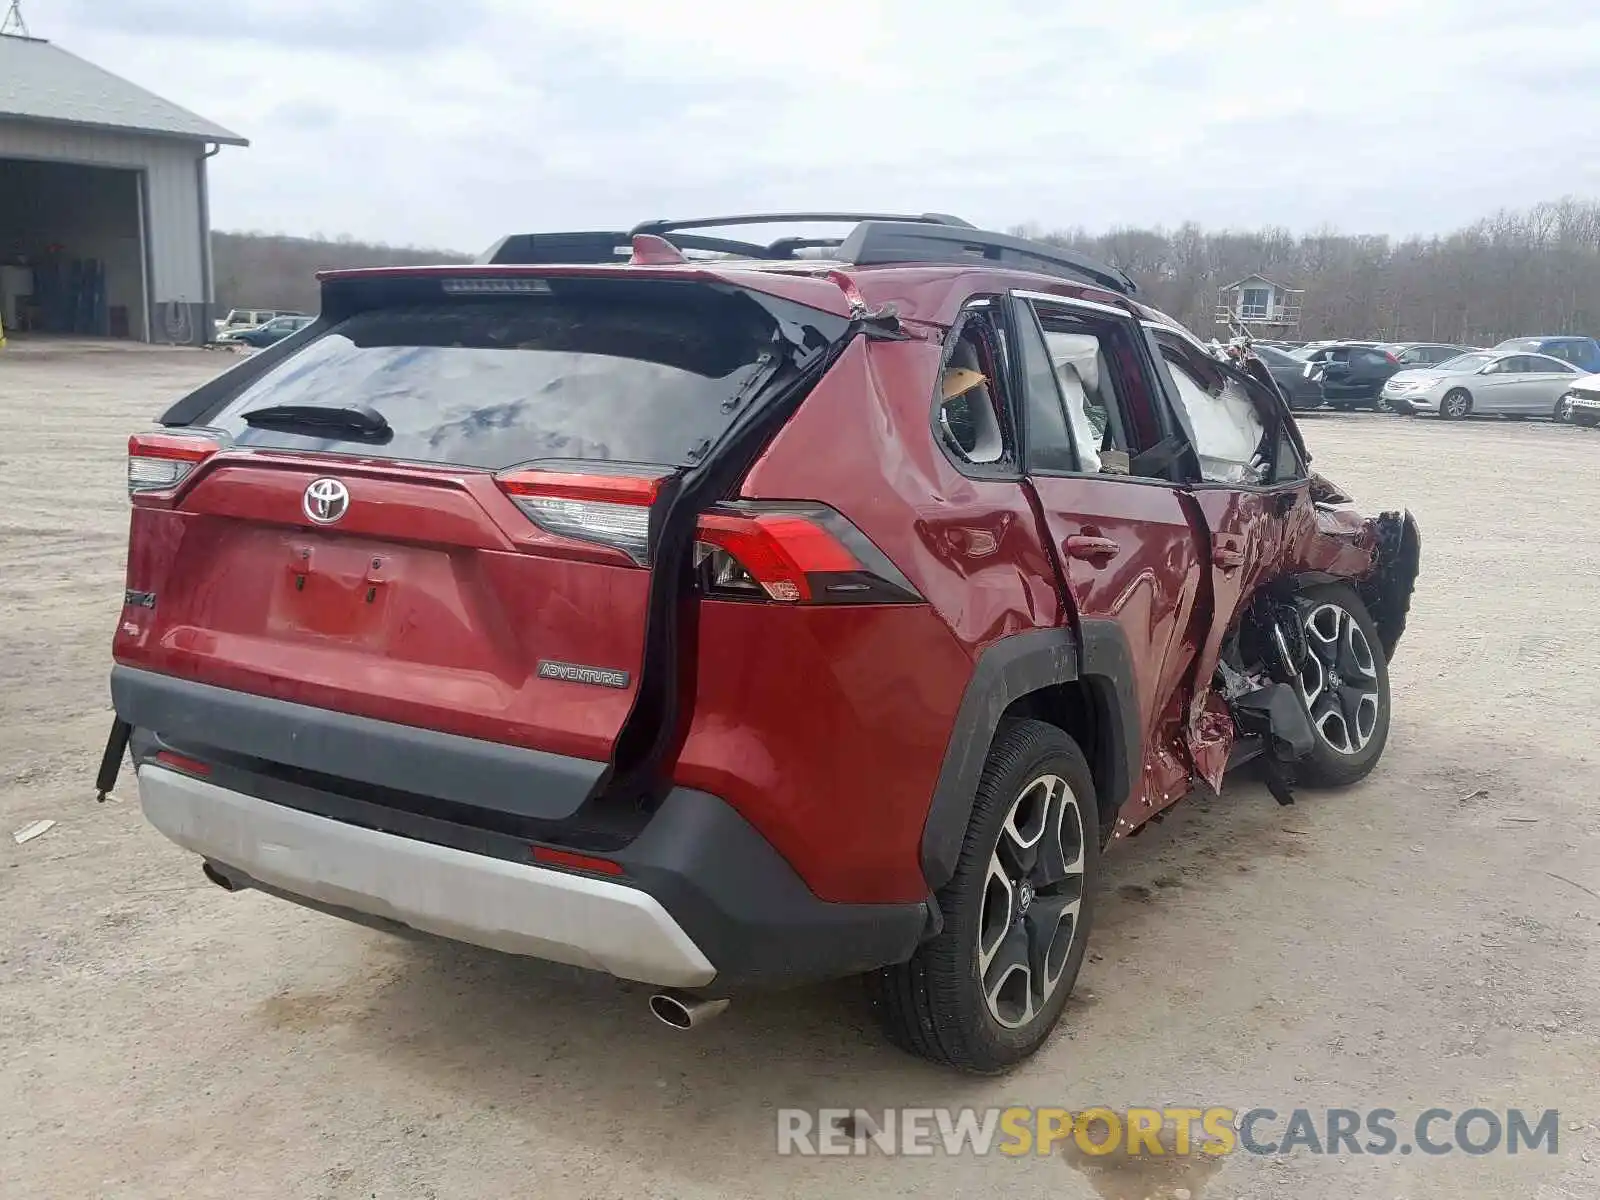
1425, 939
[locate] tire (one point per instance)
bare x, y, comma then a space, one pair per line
1457, 403
1587, 419
1563, 411
1347, 747
936, 1005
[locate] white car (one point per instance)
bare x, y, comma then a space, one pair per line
239, 320
1581, 403
1508, 383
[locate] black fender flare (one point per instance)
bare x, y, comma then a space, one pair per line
1006, 671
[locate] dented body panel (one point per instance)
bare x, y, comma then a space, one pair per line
849, 738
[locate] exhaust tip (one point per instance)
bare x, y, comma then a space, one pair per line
669, 1010
218, 878
684, 1012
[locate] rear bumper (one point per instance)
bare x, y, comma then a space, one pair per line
703, 897
1412, 401
515, 907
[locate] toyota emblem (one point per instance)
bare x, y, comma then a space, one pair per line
326, 500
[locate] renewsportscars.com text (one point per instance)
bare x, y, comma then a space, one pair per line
1162, 1131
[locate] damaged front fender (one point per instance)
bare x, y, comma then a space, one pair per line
1380, 557
1387, 590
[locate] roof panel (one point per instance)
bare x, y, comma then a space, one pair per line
42, 82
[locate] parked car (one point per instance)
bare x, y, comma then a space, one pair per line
240, 319
273, 331
1352, 374
1581, 352
1289, 373
1580, 404
1424, 354
1317, 351
1489, 382
736, 622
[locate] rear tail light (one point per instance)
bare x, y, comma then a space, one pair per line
790, 552
1392, 358
159, 462
612, 510
794, 554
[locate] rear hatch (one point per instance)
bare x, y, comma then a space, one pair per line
435, 507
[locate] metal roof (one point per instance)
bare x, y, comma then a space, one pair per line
1252, 279
42, 82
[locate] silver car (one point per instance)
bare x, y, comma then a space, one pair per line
1507, 383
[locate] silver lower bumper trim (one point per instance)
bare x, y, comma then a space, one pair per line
517, 908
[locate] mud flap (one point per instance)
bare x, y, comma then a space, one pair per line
1278, 716
111, 760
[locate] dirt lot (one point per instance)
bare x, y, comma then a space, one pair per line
1427, 939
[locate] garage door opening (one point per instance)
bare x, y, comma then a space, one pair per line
72, 250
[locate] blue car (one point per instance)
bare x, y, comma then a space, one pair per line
1581, 352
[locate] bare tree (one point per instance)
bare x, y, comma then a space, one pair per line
257, 270
1511, 273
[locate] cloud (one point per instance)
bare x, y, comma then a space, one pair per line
451, 124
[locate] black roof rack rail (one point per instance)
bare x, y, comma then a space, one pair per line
782, 248
878, 243
794, 218
554, 249
877, 239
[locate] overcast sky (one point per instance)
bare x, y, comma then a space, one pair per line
449, 123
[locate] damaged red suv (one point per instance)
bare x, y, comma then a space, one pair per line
720, 613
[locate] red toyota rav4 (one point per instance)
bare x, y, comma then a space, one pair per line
719, 613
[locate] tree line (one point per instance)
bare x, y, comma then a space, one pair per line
261, 270
1517, 272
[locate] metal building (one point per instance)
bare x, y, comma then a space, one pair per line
104, 222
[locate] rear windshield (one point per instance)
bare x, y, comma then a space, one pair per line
639, 373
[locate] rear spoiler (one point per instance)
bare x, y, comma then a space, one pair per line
559, 249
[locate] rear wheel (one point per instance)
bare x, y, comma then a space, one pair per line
1457, 403
1344, 684
1563, 412
985, 992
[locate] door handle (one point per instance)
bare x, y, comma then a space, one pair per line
1088, 546
1227, 558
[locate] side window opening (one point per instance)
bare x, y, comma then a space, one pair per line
969, 416
1102, 390
1286, 464
1048, 440
1231, 437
